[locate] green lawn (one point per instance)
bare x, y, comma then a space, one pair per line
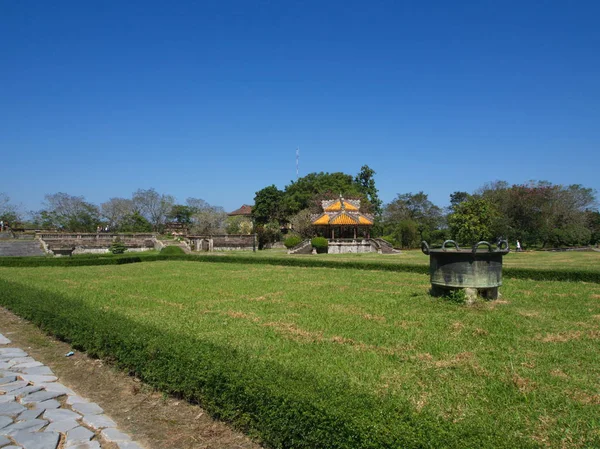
587, 260
370, 351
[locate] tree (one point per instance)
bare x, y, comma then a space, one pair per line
416, 208
238, 225
207, 219
71, 213
301, 193
456, 198
181, 214
366, 182
153, 206
117, 211
593, 224
135, 222
472, 221
302, 223
268, 205
9, 213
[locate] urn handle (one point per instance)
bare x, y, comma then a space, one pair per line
425, 247
450, 241
476, 245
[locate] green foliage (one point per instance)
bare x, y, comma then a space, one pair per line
410, 218
117, 247
301, 194
292, 241
472, 221
268, 205
366, 181
135, 222
320, 244
570, 235
268, 234
239, 225
172, 250
456, 296
180, 214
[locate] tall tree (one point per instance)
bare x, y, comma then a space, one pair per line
268, 205
153, 206
366, 182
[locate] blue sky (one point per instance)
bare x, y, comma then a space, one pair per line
211, 99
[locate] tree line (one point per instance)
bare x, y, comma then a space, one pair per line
146, 211
538, 213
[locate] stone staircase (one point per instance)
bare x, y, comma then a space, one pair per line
22, 248
304, 247
385, 247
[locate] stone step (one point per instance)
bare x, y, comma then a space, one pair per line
21, 248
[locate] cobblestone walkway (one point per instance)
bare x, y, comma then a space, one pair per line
37, 412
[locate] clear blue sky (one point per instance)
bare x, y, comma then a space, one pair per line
210, 99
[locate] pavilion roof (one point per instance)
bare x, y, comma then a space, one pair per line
342, 212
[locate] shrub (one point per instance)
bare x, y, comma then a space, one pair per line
117, 247
320, 244
172, 250
292, 241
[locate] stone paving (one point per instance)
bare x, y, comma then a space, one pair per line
37, 412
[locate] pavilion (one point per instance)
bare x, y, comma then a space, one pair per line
341, 218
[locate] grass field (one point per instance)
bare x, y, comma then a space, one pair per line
322, 357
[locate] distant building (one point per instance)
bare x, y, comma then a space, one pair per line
244, 211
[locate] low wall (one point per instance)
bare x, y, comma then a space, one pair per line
66, 244
221, 242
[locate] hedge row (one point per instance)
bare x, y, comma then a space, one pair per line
66, 261
563, 275
281, 405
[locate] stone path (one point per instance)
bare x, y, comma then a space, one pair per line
37, 412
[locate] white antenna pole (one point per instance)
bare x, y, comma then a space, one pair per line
297, 160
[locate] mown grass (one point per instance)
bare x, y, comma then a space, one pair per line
322, 357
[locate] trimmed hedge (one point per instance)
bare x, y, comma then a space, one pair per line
292, 241
562, 275
284, 407
172, 250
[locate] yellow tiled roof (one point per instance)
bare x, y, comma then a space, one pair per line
322, 220
337, 206
344, 219
364, 220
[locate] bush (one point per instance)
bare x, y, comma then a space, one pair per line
292, 241
172, 250
117, 247
320, 244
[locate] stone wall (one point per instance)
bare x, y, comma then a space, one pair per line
67, 244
